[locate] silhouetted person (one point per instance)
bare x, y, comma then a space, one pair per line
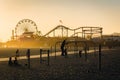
10, 63
16, 62
17, 53
63, 48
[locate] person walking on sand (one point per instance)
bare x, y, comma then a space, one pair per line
63, 48
17, 53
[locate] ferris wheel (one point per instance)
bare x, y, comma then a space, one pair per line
25, 25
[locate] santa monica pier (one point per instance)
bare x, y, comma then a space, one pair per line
26, 34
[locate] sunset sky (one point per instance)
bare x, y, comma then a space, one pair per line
47, 13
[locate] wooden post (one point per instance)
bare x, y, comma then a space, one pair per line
51, 51
94, 51
80, 53
91, 33
55, 51
40, 55
101, 32
48, 57
82, 32
28, 57
85, 53
99, 57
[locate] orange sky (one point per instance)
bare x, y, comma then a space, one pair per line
47, 13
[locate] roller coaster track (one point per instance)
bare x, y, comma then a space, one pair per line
79, 30
59, 26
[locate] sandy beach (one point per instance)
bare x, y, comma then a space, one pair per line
71, 67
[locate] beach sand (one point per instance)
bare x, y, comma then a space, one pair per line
71, 67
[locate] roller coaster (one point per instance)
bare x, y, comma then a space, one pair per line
79, 32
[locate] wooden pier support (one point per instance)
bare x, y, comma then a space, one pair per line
99, 57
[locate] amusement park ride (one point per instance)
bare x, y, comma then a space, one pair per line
26, 34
